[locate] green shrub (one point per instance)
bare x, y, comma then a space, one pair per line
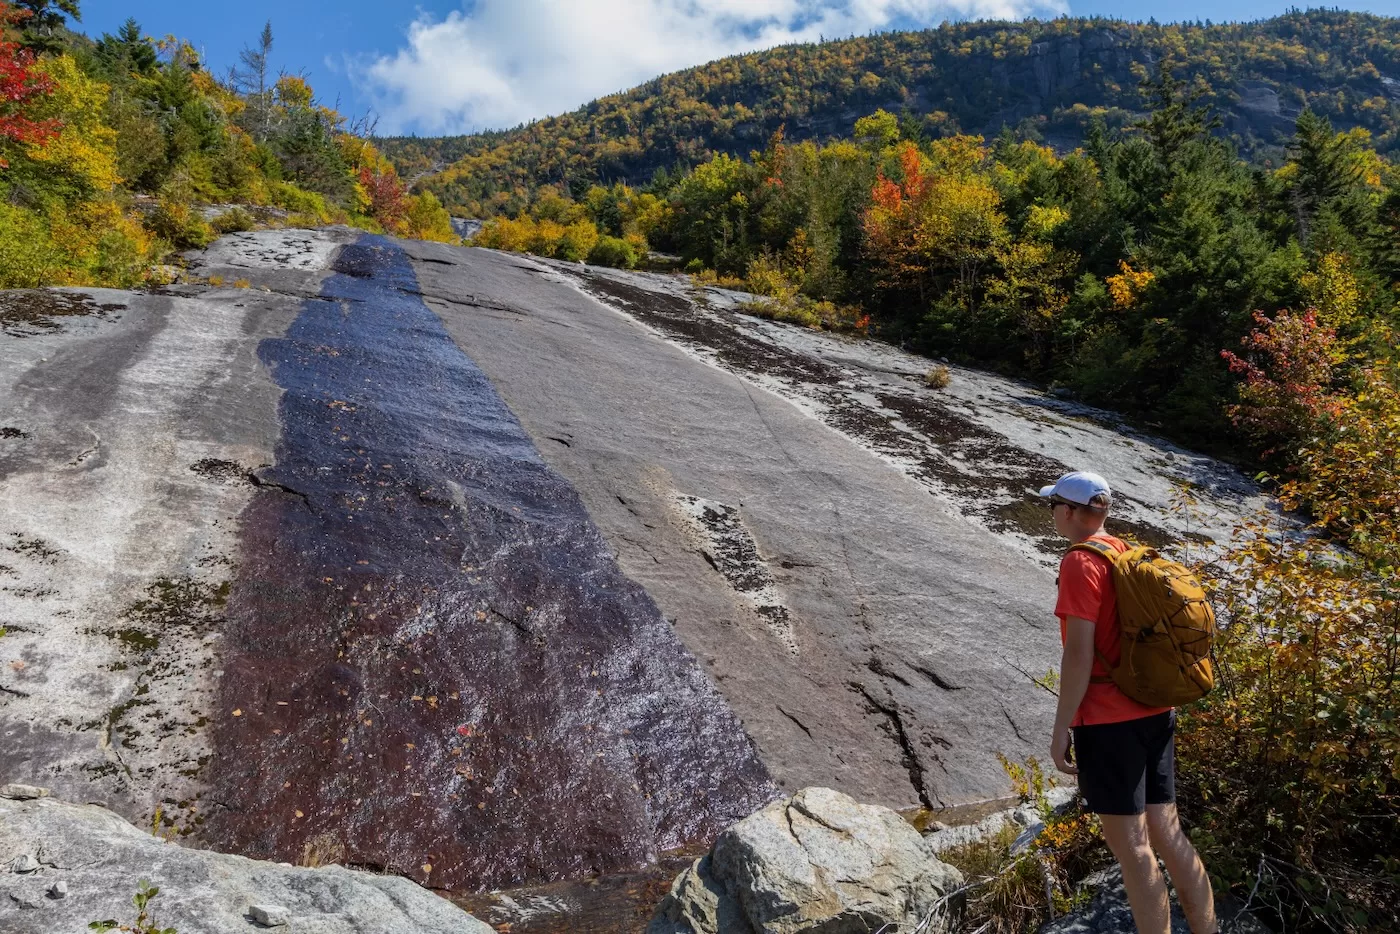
297, 201
180, 224
145, 922
28, 256
121, 261
820, 316
614, 252
234, 220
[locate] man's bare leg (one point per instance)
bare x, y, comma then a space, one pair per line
1126, 835
1184, 864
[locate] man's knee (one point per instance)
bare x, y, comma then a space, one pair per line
1164, 827
1128, 837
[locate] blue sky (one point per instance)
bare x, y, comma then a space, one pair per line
443, 66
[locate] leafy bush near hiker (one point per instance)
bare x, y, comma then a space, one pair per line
1293, 764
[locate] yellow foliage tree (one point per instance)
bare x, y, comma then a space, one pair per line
1127, 287
84, 153
427, 219
1332, 291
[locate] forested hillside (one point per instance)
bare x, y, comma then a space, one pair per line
1247, 308
112, 152
1047, 80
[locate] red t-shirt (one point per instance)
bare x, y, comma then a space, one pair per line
1086, 591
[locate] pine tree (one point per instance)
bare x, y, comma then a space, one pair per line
251, 81
44, 28
1327, 171
128, 52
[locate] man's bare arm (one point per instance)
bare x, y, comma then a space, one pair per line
1076, 663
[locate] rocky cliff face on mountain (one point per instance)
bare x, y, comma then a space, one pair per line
1048, 79
489, 572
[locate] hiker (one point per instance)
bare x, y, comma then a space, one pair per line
1121, 750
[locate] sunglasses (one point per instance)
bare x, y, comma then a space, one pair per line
1056, 501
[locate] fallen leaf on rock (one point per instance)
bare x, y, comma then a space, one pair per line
238, 712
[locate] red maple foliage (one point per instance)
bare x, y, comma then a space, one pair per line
387, 202
1288, 373
892, 195
19, 85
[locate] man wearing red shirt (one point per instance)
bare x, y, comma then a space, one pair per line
1123, 751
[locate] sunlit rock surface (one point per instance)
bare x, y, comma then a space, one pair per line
816, 863
82, 863
491, 571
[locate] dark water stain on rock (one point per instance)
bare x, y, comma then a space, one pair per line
676, 317
28, 312
433, 664
11, 433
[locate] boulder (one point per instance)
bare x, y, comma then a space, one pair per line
818, 861
89, 861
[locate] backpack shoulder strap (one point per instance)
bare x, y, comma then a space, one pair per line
1102, 549
1109, 554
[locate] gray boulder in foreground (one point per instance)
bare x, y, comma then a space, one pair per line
818, 861
102, 858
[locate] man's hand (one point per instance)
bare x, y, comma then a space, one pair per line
1075, 666
1060, 752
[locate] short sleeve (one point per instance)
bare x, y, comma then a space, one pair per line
1083, 578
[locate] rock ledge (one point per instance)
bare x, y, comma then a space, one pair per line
97, 859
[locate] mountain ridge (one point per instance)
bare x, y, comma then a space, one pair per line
1045, 79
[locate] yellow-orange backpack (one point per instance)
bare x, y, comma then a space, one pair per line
1166, 625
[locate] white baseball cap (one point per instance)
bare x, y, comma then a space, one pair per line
1078, 486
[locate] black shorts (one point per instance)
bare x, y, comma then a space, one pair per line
1123, 767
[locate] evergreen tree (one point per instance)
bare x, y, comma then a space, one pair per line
44, 30
252, 82
1326, 172
128, 52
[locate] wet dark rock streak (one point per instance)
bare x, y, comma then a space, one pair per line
433, 664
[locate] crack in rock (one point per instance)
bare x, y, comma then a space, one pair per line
802, 726
1014, 728
936, 678
895, 727
878, 667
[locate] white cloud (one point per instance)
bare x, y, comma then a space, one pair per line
497, 63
